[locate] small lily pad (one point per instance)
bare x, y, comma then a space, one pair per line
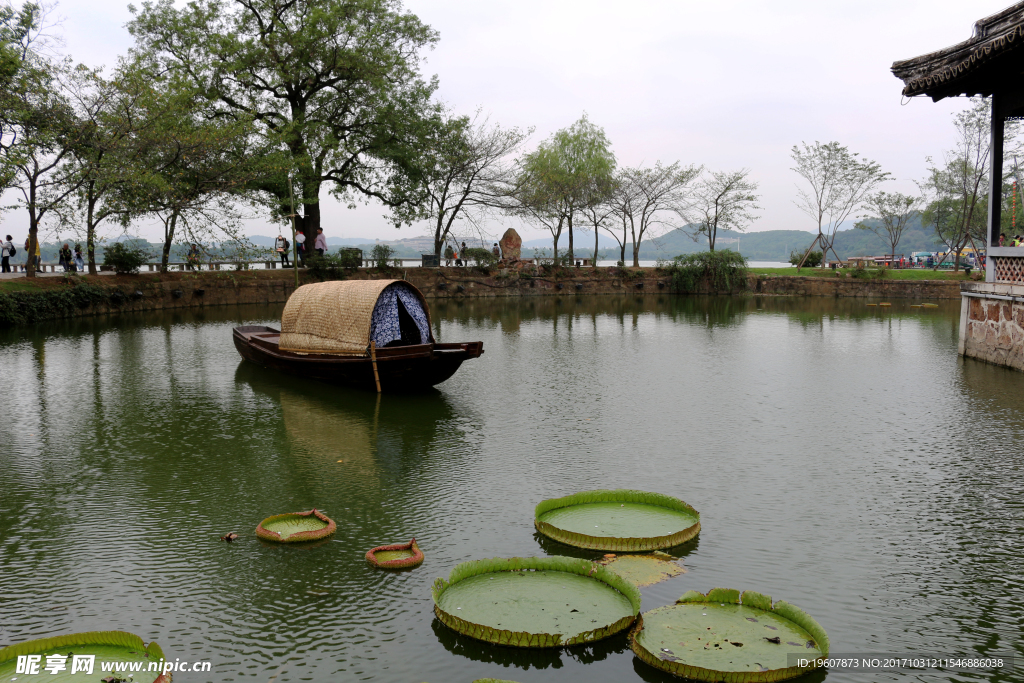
643, 570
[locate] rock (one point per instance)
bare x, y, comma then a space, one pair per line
511, 245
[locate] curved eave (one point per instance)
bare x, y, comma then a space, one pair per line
961, 69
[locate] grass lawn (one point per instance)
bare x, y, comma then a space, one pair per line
908, 274
18, 285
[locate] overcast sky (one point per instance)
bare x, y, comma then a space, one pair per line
727, 84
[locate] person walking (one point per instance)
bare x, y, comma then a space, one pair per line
321, 242
79, 261
64, 258
7, 250
449, 254
496, 251
28, 256
282, 245
465, 260
192, 257
1002, 238
300, 248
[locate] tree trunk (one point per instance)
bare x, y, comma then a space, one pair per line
90, 228
310, 220
33, 242
594, 264
169, 225
572, 256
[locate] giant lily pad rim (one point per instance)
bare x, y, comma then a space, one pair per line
84, 639
311, 535
751, 600
571, 565
617, 544
415, 560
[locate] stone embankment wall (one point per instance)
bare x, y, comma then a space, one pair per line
992, 323
152, 292
789, 285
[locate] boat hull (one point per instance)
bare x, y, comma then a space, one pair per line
401, 368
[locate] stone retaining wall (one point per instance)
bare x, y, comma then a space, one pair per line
992, 323
791, 285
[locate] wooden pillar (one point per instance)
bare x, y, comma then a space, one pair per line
995, 183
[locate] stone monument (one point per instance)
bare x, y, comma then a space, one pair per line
511, 245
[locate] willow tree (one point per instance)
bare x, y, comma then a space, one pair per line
336, 82
567, 173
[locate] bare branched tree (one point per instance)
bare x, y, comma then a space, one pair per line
838, 181
465, 173
647, 199
892, 211
721, 200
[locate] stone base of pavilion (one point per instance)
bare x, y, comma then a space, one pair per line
992, 323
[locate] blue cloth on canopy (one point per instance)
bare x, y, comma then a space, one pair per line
385, 325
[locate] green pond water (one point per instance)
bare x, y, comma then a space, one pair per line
841, 456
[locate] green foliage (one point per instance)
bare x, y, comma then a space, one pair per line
480, 257
712, 271
18, 308
329, 266
125, 258
350, 258
131, 643
381, 254
862, 273
814, 259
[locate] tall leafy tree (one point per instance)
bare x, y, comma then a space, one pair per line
956, 185
336, 82
39, 133
836, 183
722, 200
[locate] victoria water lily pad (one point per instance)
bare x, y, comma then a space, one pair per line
620, 520
643, 570
103, 646
296, 527
396, 556
723, 636
535, 601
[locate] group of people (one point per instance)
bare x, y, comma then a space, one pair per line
283, 247
451, 253
69, 261
1017, 241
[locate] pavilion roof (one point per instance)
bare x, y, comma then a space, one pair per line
988, 61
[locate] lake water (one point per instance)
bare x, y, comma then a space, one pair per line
842, 458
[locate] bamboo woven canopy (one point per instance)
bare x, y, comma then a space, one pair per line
336, 317
989, 62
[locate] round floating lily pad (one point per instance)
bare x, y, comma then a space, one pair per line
643, 570
102, 646
396, 556
723, 636
621, 520
535, 601
296, 527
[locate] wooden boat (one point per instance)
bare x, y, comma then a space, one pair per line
368, 334
396, 556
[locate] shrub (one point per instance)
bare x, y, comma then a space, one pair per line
713, 271
350, 258
479, 256
327, 267
814, 259
381, 254
25, 307
125, 258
